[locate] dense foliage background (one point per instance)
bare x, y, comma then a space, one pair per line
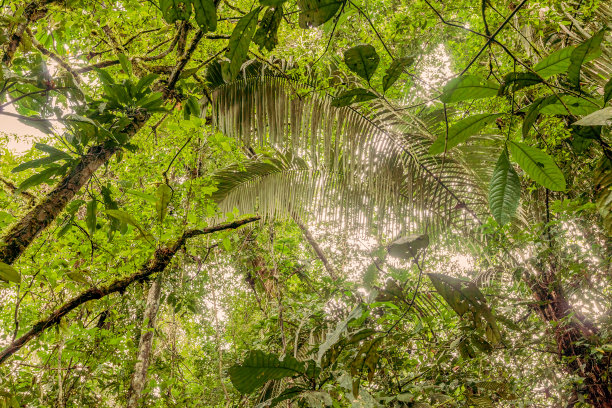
306, 203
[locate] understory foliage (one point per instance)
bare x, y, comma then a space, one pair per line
305, 203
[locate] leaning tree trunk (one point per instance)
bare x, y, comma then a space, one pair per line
145, 345
574, 335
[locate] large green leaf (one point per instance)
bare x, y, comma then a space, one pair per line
362, 60
602, 117
556, 63
91, 216
353, 96
607, 91
164, 194
333, 337
260, 367
462, 130
266, 35
174, 10
238, 46
313, 13
468, 88
54, 155
504, 190
463, 296
205, 14
41, 177
128, 219
576, 106
588, 49
538, 165
395, 70
518, 80
9, 274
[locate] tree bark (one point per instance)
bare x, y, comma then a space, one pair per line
145, 345
315, 246
158, 263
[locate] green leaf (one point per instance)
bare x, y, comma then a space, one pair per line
362, 60
394, 71
164, 194
333, 337
588, 49
145, 81
43, 125
353, 96
239, 44
91, 217
266, 35
607, 91
468, 88
39, 178
462, 130
126, 65
538, 165
205, 14
260, 367
577, 106
556, 63
518, 80
463, 296
602, 117
504, 190
313, 13
105, 77
534, 112
272, 3
9, 274
408, 246
174, 10
128, 219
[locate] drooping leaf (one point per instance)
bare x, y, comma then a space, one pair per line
126, 65
39, 178
353, 96
607, 91
91, 216
362, 60
407, 247
175, 10
462, 130
589, 48
556, 63
534, 112
602, 117
266, 35
333, 337
468, 87
576, 106
394, 71
238, 46
259, 367
538, 165
164, 194
128, 219
205, 14
504, 190
463, 296
313, 13
41, 124
518, 80
9, 274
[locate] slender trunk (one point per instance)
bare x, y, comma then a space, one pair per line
575, 336
158, 263
315, 246
139, 377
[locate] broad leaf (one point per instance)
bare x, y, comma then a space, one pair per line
128, 219
126, 65
395, 70
577, 106
462, 130
504, 190
238, 46
533, 112
91, 218
174, 10
607, 91
538, 165
556, 63
407, 247
9, 274
260, 367
602, 117
333, 337
353, 96
590, 48
468, 88
205, 14
518, 80
362, 60
313, 13
164, 194
41, 177
266, 35
463, 296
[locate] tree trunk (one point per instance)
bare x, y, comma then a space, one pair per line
145, 345
315, 246
569, 327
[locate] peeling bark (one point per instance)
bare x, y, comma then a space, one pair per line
145, 345
158, 263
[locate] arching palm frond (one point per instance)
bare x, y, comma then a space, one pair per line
374, 159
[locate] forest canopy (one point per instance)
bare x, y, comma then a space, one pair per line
305, 203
